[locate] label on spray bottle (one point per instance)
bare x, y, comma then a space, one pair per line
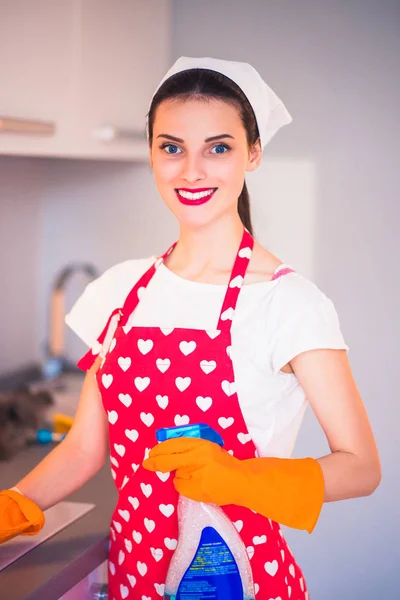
213, 573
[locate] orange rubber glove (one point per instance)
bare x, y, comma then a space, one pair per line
287, 490
18, 516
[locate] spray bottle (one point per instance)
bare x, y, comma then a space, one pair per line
210, 560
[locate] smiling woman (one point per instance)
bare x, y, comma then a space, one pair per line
216, 330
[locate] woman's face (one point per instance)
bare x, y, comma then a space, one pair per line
183, 158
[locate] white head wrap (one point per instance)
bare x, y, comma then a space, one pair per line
271, 114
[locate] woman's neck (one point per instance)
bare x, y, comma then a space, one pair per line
208, 249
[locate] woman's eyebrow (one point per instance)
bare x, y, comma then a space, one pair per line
209, 139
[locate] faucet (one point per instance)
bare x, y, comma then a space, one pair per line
55, 361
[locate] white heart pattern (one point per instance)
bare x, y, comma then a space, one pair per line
114, 461
259, 539
167, 331
125, 399
167, 509
225, 422
147, 418
121, 557
134, 502
181, 420
124, 363
245, 252
236, 282
149, 524
162, 401
112, 416
257, 589
213, 333
208, 366
228, 387
142, 383
132, 434
142, 568
204, 403
239, 525
145, 346
124, 591
119, 449
292, 570
128, 545
187, 347
137, 536
250, 551
112, 345
182, 383
163, 364
140, 292
170, 543
244, 437
229, 313
160, 589
163, 476
106, 380
125, 481
283, 555
271, 567
117, 526
124, 514
146, 489
112, 568
131, 579
156, 553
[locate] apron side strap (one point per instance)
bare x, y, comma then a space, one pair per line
101, 345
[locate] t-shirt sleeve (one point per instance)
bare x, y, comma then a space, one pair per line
90, 313
310, 326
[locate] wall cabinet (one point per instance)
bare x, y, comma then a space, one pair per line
88, 66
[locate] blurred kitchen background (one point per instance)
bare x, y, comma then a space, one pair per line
324, 199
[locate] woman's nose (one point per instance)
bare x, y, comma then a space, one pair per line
193, 168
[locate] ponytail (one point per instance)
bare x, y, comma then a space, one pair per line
244, 208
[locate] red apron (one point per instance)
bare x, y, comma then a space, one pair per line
151, 378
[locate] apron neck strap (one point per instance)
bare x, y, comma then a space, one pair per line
238, 273
232, 293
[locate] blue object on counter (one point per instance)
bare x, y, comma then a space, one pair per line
45, 436
199, 430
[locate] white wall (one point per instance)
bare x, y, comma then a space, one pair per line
21, 203
335, 167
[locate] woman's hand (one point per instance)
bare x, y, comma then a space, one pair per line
204, 471
287, 490
18, 515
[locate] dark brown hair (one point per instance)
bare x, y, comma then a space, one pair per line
205, 84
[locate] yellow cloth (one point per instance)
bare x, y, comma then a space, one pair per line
287, 490
18, 515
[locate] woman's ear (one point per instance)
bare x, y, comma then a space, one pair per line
255, 156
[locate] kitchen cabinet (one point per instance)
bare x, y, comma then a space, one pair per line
37, 42
88, 66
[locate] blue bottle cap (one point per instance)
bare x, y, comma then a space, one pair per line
198, 430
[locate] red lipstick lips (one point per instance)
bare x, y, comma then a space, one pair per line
199, 200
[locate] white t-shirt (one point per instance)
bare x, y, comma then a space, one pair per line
274, 321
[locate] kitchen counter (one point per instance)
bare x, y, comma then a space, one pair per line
55, 566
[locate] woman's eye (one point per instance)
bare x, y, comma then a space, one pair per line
224, 146
169, 146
